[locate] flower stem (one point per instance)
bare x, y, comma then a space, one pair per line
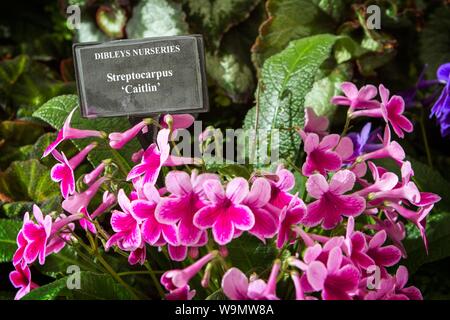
155, 279
425, 139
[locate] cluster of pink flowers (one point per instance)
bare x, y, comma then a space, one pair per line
180, 214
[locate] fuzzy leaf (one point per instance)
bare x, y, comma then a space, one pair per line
8, 233
286, 79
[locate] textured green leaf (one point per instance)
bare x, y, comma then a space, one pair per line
153, 18
56, 110
28, 181
290, 20
11, 70
20, 132
325, 88
286, 79
213, 18
435, 42
217, 295
8, 233
15, 209
93, 286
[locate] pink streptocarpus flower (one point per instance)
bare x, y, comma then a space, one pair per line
179, 278
138, 255
236, 286
74, 203
336, 280
355, 246
125, 225
324, 155
393, 288
177, 121
21, 278
315, 123
86, 223
266, 224
392, 110
332, 204
357, 99
390, 149
299, 294
290, 215
382, 181
67, 133
137, 156
383, 256
418, 218
152, 159
183, 293
36, 236
282, 182
63, 171
95, 173
180, 252
151, 229
186, 198
117, 140
395, 230
225, 212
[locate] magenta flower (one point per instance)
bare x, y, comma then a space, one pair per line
174, 279
336, 280
290, 215
282, 182
323, 156
138, 255
177, 121
117, 140
266, 224
392, 110
390, 149
94, 174
74, 203
152, 230
152, 159
332, 204
356, 246
225, 213
382, 181
394, 230
67, 133
393, 288
21, 278
418, 218
236, 286
62, 172
314, 123
36, 236
187, 197
386, 256
183, 293
355, 99
125, 225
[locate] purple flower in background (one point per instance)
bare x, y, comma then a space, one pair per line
364, 141
441, 108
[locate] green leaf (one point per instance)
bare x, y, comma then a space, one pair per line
215, 18
15, 209
56, 110
435, 42
250, 254
325, 88
438, 235
11, 70
93, 286
20, 132
217, 295
28, 181
8, 233
286, 79
290, 20
153, 18
430, 180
